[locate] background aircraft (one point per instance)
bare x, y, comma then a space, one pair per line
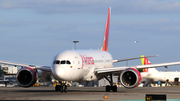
150, 75
85, 65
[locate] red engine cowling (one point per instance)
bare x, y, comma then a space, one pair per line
130, 78
26, 77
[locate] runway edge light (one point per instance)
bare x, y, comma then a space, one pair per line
106, 97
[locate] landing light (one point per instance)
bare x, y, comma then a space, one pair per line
70, 66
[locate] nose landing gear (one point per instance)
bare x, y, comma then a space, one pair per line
62, 87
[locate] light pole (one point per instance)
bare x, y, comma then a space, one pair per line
75, 44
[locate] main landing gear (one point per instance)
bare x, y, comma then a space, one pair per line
62, 87
111, 86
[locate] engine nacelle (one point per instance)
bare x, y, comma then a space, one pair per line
130, 78
26, 77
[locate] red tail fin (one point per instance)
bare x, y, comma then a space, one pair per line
145, 61
106, 37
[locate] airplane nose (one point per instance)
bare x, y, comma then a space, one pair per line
60, 72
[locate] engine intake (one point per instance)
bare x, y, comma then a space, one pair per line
26, 77
130, 78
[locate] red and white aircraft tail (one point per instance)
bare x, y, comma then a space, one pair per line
106, 37
145, 61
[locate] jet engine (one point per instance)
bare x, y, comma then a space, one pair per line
26, 77
130, 78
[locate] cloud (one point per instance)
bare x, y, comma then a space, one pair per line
11, 23
147, 7
53, 6
148, 26
94, 6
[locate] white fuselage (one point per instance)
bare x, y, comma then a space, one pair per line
160, 76
74, 65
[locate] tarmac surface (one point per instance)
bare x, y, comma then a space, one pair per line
87, 93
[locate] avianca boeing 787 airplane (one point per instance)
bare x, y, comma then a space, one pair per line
85, 65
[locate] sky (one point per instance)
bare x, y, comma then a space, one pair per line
34, 31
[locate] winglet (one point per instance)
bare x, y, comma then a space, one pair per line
106, 37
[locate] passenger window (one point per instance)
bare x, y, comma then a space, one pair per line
63, 62
68, 62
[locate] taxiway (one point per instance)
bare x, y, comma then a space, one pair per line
85, 93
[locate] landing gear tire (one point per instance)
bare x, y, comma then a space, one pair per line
57, 88
108, 88
63, 89
114, 88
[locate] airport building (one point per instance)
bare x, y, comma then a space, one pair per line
8, 73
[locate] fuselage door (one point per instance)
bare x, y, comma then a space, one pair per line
77, 63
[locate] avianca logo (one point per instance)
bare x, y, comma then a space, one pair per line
87, 60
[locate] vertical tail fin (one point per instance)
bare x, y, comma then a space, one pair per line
145, 61
106, 37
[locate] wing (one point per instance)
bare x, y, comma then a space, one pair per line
43, 68
114, 61
119, 69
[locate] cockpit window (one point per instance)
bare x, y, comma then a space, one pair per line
68, 62
57, 62
62, 62
54, 62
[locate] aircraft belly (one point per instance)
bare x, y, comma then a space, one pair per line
76, 75
89, 74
